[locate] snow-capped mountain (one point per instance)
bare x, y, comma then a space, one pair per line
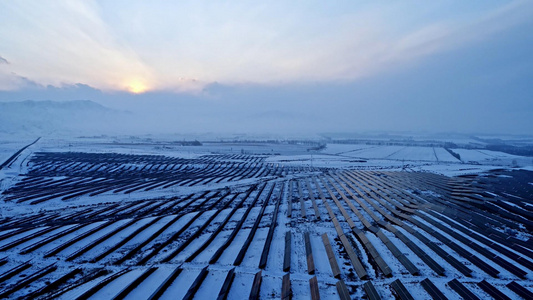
54, 117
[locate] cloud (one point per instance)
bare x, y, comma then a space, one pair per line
11, 81
14, 87
186, 46
3, 60
57, 43
373, 53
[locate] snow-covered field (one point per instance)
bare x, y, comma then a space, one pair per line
105, 218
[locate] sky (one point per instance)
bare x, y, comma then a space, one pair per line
298, 66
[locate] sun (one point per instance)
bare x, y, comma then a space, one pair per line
137, 87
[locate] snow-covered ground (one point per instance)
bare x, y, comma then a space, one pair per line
164, 209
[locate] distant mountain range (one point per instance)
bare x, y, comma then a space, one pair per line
210, 121
31, 118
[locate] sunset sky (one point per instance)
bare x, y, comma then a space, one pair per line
424, 57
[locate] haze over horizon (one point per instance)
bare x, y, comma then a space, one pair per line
278, 67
